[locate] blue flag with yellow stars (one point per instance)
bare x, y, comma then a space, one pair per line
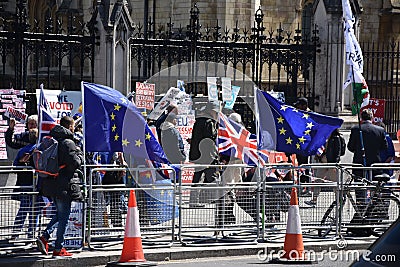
286, 129
114, 124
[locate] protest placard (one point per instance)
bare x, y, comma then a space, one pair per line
16, 114
144, 97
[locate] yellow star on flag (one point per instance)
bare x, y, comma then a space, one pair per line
117, 107
302, 139
282, 131
298, 146
280, 120
148, 136
125, 142
138, 143
284, 107
112, 115
305, 116
116, 137
309, 125
113, 128
307, 132
289, 140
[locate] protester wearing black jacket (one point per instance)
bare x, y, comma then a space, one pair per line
203, 148
71, 157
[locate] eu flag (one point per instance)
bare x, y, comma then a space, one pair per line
114, 124
287, 129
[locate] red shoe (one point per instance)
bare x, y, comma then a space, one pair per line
59, 254
42, 245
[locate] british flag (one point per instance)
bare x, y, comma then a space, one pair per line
46, 121
235, 140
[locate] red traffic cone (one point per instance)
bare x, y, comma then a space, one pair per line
132, 250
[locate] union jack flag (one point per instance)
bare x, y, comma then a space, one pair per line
46, 121
235, 140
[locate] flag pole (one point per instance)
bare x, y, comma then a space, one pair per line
257, 115
359, 120
84, 169
39, 113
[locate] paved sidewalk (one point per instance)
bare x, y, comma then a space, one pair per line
101, 256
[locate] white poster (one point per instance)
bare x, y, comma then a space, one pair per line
226, 89
62, 103
168, 98
74, 227
212, 89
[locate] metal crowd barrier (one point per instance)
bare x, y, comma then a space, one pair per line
107, 207
168, 213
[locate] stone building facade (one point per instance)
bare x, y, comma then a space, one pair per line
117, 19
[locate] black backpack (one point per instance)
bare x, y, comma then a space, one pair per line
342, 145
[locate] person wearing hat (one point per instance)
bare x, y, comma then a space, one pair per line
203, 148
171, 140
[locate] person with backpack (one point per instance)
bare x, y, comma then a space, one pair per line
59, 187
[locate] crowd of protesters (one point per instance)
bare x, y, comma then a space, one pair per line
378, 147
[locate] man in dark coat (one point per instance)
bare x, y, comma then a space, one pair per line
203, 148
374, 141
71, 158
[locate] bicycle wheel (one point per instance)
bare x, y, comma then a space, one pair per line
328, 220
393, 213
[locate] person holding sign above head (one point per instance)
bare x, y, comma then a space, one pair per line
18, 141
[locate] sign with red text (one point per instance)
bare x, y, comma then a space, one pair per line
62, 103
15, 113
144, 97
184, 126
377, 106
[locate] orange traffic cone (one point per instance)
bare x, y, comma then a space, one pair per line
132, 250
293, 247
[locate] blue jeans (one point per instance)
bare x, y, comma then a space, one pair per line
33, 208
59, 220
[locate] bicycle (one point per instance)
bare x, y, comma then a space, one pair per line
383, 205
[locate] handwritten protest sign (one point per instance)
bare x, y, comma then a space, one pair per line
144, 97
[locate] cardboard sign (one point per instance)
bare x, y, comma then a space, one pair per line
144, 97
14, 113
378, 108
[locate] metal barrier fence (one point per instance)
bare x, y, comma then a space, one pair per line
222, 212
